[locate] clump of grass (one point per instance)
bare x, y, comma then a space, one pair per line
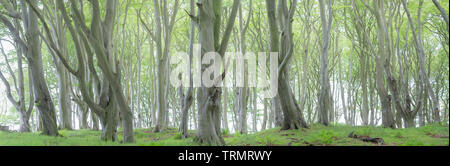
225, 132
325, 137
178, 135
267, 140
434, 129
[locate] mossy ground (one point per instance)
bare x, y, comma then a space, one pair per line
316, 135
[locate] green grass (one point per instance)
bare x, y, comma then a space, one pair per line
316, 135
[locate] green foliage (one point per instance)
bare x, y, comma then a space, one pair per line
325, 137
178, 135
225, 132
431, 129
267, 140
316, 135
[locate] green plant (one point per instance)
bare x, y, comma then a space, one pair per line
178, 135
267, 140
325, 137
225, 132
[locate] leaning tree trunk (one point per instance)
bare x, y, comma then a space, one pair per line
418, 43
385, 98
293, 117
43, 100
443, 13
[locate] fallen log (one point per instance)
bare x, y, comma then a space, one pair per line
379, 141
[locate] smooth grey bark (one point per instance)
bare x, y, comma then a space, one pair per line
19, 85
364, 60
62, 74
292, 115
209, 98
418, 43
22, 48
138, 110
381, 58
188, 99
274, 47
43, 100
342, 91
100, 38
264, 122
255, 111
225, 110
162, 57
243, 93
271, 116
324, 98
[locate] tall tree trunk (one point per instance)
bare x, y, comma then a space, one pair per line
292, 115
209, 98
379, 12
63, 76
43, 100
264, 122
418, 42
324, 97
188, 99
162, 55
225, 110
365, 101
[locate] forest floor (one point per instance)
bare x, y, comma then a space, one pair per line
316, 135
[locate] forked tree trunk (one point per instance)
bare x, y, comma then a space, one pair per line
43, 100
293, 117
418, 43
209, 98
385, 98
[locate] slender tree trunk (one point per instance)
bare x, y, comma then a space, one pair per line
225, 109
264, 122
324, 97
385, 98
292, 115
188, 99
418, 42
443, 13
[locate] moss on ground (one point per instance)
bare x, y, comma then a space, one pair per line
316, 135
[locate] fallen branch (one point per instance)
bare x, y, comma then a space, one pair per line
379, 141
